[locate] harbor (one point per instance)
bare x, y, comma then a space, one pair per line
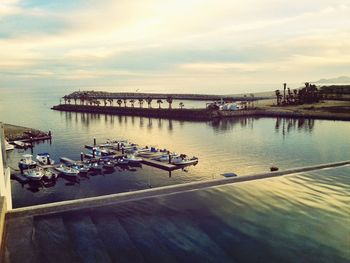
100, 158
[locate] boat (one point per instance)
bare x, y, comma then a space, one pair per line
69, 171
21, 144
96, 166
132, 158
50, 174
165, 157
183, 160
122, 161
82, 168
109, 165
27, 162
34, 174
44, 159
8, 147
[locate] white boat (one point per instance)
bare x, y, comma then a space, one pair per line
165, 157
183, 160
49, 174
69, 171
132, 158
8, 147
34, 174
96, 166
83, 169
44, 158
21, 144
27, 162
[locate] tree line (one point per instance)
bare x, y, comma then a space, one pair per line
308, 94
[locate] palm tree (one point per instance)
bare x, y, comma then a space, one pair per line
119, 102
105, 102
97, 102
181, 105
68, 100
284, 92
278, 96
149, 101
125, 101
141, 102
159, 101
75, 97
169, 100
132, 102
110, 102
252, 99
65, 98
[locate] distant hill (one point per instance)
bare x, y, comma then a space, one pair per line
338, 80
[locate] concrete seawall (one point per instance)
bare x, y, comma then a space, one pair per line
160, 191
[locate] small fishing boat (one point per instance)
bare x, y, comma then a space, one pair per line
183, 160
34, 174
132, 158
26, 162
8, 147
44, 159
122, 161
109, 165
82, 168
50, 174
21, 144
96, 167
68, 171
165, 157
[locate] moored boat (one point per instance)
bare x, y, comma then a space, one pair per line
183, 160
8, 147
34, 174
21, 144
132, 158
44, 158
69, 171
26, 162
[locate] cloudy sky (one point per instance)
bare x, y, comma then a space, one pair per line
213, 46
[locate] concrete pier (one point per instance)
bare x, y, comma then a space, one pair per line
154, 192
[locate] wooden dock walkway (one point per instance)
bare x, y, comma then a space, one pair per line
162, 165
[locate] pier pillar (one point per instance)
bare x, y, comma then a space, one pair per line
94, 141
93, 152
81, 156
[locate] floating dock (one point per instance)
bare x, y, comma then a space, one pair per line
162, 165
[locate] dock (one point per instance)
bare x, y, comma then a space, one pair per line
162, 165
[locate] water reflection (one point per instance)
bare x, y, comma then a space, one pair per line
287, 125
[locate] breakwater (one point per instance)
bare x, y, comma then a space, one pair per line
199, 114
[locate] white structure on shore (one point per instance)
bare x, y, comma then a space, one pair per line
5, 174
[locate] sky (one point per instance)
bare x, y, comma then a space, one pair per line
183, 46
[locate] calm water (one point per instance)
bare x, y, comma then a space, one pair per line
281, 218
298, 218
244, 146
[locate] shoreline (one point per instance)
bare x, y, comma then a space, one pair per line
25, 134
203, 114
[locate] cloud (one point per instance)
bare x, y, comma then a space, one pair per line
193, 44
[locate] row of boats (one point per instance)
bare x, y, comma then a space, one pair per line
102, 157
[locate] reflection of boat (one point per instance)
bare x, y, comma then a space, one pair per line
44, 158
108, 165
8, 147
34, 174
21, 144
183, 160
69, 171
132, 158
27, 162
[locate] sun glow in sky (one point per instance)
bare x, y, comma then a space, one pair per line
213, 46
